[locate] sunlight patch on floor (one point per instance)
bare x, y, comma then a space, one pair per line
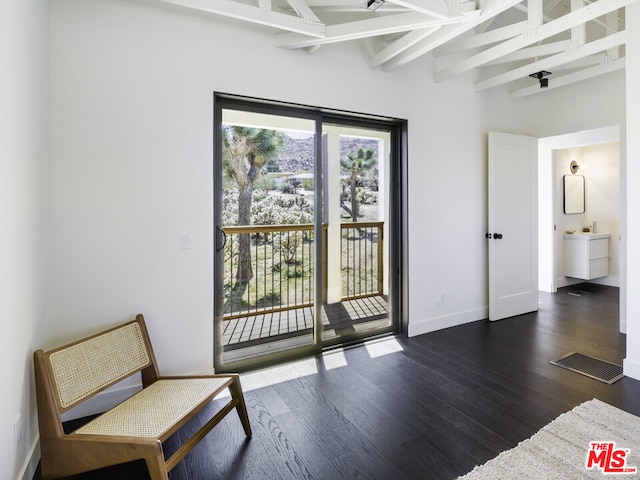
279, 374
383, 347
331, 360
334, 359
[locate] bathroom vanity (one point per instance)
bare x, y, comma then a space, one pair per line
586, 255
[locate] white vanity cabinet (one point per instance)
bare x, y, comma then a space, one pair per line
586, 255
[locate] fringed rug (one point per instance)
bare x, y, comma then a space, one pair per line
561, 450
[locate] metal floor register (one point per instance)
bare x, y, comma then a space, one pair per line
606, 372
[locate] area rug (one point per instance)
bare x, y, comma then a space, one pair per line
593, 434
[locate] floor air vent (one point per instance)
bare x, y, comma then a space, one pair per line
606, 372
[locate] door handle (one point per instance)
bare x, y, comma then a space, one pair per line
224, 239
497, 236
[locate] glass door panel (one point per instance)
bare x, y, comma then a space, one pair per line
356, 303
266, 252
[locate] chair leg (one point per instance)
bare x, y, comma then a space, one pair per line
236, 393
157, 468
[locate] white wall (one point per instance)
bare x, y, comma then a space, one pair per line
447, 206
632, 174
23, 219
587, 105
602, 203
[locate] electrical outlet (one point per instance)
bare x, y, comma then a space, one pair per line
442, 299
17, 433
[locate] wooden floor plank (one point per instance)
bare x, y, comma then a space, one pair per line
431, 407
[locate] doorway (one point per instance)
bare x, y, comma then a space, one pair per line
307, 233
555, 156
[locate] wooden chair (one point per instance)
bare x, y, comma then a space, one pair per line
134, 429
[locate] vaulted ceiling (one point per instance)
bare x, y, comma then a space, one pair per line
523, 44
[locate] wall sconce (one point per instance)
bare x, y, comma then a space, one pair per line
574, 167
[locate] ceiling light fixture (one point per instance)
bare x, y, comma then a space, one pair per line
544, 82
371, 5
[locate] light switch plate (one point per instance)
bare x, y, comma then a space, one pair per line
184, 241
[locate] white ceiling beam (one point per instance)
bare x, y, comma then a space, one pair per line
371, 27
571, 55
483, 39
257, 15
547, 18
542, 50
449, 32
566, 22
484, 26
535, 13
435, 8
579, 32
570, 78
401, 45
356, 8
304, 11
589, 61
612, 22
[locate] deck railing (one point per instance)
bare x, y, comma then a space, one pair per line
362, 263
283, 263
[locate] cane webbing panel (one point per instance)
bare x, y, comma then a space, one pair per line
82, 369
154, 410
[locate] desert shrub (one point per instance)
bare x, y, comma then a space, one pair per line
286, 187
268, 209
368, 197
286, 244
307, 184
265, 183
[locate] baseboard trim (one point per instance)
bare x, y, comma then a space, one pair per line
30, 466
452, 320
631, 368
609, 281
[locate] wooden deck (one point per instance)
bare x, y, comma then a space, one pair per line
337, 319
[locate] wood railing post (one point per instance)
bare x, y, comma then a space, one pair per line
325, 262
380, 259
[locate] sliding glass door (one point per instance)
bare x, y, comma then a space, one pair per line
303, 253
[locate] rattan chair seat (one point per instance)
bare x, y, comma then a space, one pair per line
154, 410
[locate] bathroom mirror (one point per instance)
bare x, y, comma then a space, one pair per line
573, 194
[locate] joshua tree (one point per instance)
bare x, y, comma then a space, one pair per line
354, 166
245, 151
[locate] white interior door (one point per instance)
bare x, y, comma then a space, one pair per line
513, 225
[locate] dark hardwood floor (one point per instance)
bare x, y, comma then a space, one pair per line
432, 406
